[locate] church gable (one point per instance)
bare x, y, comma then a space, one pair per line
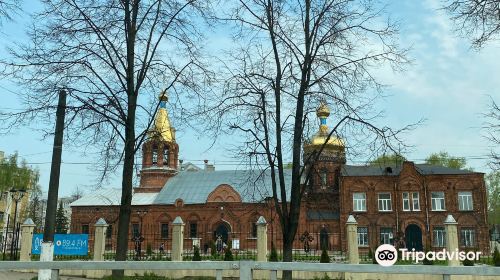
224, 193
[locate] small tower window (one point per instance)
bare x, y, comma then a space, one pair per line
165, 155
323, 177
155, 155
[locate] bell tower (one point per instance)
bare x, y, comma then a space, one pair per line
326, 169
160, 151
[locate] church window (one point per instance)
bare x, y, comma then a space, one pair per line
85, 228
465, 201
416, 201
386, 235
254, 230
165, 155
384, 202
362, 236
164, 230
437, 201
193, 230
324, 177
438, 235
155, 154
135, 230
467, 237
359, 202
406, 201
109, 231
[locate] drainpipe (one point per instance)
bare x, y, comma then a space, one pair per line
396, 205
426, 207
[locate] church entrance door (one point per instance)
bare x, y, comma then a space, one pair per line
223, 231
413, 235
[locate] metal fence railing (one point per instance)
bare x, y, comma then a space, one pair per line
247, 267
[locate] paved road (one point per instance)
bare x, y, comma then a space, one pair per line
11, 275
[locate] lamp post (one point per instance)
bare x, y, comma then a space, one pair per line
138, 239
16, 196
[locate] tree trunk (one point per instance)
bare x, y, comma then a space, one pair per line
287, 254
126, 200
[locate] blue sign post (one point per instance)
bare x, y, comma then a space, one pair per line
64, 244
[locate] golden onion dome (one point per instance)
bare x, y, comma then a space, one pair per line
162, 127
334, 143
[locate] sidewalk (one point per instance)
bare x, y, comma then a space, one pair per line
12, 275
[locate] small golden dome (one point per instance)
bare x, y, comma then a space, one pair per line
334, 143
162, 127
323, 110
163, 96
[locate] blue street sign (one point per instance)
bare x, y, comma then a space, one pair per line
64, 244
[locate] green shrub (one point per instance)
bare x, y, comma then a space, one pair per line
325, 258
273, 257
213, 250
427, 261
496, 257
467, 262
149, 249
228, 255
196, 254
371, 256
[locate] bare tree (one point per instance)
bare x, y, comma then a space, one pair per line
291, 56
113, 57
492, 128
7, 9
477, 19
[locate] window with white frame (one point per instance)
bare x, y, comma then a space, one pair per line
465, 201
406, 201
384, 202
359, 201
386, 235
438, 235
437, 201
415, 197
362, 236
467, 237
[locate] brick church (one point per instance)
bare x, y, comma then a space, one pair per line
408, 202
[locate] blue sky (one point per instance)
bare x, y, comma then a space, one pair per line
448, 84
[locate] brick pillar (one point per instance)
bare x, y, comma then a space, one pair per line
27, 229
99, 246
451, 238
177, 239
352, 240
261, 240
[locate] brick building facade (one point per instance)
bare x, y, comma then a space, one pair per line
406, 203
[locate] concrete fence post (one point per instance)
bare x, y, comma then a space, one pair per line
451, 238
99, 247
27, 229
177, 239
352, 240
261, 239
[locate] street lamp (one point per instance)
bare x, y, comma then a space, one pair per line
138, 239
16, 196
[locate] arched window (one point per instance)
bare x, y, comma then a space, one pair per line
155, 154
323, 177
165, 155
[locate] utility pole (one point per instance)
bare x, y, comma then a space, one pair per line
47, 253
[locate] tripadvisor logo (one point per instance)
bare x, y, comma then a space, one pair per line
387, 255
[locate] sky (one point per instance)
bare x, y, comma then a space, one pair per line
448, 84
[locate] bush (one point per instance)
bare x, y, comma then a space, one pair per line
273, 257
196, 254
149, 249
427, 261
371, 256
324, 257
496, 257
467, 262
228, 255
213, 250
